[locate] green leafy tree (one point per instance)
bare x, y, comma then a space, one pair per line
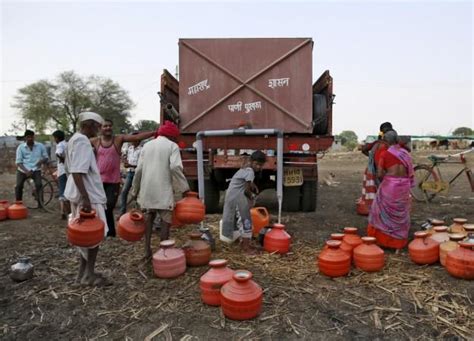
146, 125
348, 139
463, 131
57, 104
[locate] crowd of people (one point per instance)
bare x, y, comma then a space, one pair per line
89, 179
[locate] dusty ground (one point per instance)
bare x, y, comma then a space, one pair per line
404, 301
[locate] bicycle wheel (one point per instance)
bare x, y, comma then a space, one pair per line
423, 174
50, 195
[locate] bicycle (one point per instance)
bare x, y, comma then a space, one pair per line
49, 191
429, 181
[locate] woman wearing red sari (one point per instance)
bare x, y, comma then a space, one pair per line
389, 217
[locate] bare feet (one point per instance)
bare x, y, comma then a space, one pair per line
248, 248
96, 280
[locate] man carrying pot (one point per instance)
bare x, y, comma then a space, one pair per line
85, 191
158, 175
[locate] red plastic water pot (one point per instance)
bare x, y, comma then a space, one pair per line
131, 226
440, 234
86, 231
334, 236
368, 256
334, 262
3, 213
458, 226
362, 207
196, 250
17, 211
277, 240
175, 223
190, 210
350, 240
212, 281
4, 209
423, 250
169, 261
460, 262
351, 237
241, 297
448, 246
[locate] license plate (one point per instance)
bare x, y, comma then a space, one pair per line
292, 177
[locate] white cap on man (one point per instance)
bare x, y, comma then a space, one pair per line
89, 115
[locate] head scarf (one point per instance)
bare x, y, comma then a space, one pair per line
168, 129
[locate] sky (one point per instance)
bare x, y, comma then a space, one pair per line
410, 63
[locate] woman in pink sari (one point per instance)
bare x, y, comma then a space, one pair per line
389, 217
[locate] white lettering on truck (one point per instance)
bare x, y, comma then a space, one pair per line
196, 88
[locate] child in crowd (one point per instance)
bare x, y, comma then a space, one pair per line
239, 199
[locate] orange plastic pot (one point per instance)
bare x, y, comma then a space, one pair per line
368, 256
458, 226
334, 262
131, 226
440, 234
423, 250
196, 250
350, 240
3, 213
17, 211
190, 210
362, 207
213, 280
334, 236
277, 240
169, 261
241, 297
260, 219
469, 228
460, 262
87, 231
3, 209
435, 222
175, 223
448, 246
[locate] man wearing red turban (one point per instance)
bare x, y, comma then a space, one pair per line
169, 130
159, 174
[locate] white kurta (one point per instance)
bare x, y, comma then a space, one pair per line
80, 159
159, 169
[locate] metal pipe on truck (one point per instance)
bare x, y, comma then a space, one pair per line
241, 132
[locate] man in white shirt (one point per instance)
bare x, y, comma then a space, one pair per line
85, 191
61, 173
131, 162
159, 169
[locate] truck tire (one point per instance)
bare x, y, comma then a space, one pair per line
291, 198
211, 196
320, 114
309, 195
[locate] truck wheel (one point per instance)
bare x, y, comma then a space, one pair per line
320, 114
211, 196
291, 198
309, 195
